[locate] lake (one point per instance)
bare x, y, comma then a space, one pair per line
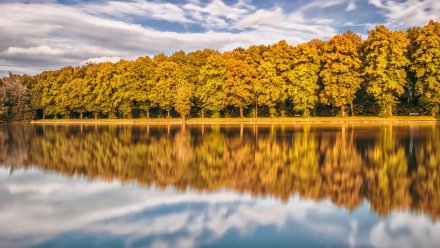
220, 186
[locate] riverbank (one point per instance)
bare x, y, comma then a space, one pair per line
263, 120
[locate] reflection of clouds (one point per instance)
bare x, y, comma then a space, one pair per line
406, 230
41, 207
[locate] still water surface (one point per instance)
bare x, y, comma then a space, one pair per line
228, 186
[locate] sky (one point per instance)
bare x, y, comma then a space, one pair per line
38, 35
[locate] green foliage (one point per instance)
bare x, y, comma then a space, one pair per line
341, 71
385, 62
426, 65
209, 92
304, 77
183, 96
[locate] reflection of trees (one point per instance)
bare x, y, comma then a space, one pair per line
387, 174
342, 170
307, 161
304, 163
210, 157
427, 178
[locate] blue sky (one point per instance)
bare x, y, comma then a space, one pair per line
47, 34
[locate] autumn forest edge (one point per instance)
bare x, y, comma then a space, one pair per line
388, 73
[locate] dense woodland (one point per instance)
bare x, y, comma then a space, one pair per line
381, 165
391, 72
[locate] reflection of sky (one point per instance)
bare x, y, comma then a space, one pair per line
48, 210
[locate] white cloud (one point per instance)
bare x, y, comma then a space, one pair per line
73, 34
408, 13
38, 50
405, 230
47, 35
351, 6
143, 9
101, 59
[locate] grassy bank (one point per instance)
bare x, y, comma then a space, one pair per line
262, 120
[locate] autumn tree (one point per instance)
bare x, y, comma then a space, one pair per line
385, 62
73, 93
195, 61
341, 71
268, 85
144, 69
18, 99
3, 101
164, 89
238, 84
52, 97
209, 92
103, 90
304, 77
426, 65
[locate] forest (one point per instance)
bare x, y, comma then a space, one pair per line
388, 73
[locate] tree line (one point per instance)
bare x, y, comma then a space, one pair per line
347, 166
388, 73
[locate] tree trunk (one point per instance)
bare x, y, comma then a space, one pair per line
96, 115
241, 112
256, 109
434, 110
44, 115
352, 108
183, 117
81, 115
391, 110
148, 113
168, 114
343, 111
203, 113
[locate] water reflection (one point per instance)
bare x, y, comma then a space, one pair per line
217, 186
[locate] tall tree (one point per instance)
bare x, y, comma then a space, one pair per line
195, 62
385, 61
164, 88
184, 93
142, 87
210, 91
238, 84
268, 87
304, 77
341, 75
74, 92
426, 65
3, 101
103, 91
18, 99
52, 97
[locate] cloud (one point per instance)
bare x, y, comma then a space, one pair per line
405, 230
101, 59
408, 13
351, 6
143, 9
41, 35
39, 50
73, 34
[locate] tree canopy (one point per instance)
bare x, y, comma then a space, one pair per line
390, 72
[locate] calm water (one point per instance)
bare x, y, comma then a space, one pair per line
238, 186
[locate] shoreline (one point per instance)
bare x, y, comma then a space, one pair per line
249, 121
